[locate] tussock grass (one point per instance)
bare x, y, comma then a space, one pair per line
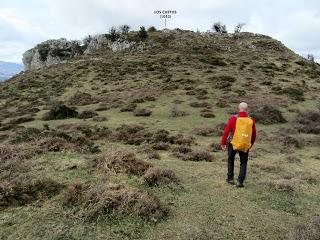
24, 190
120, 160
159, 177
105, 200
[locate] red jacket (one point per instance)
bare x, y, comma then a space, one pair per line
231, 126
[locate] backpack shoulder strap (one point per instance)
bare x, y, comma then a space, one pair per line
229, 138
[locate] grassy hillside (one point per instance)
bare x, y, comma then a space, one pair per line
126, 145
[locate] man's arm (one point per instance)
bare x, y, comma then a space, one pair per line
254, 133
227, 130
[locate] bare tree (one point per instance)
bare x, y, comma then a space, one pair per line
238, 27
124, 28
219, 27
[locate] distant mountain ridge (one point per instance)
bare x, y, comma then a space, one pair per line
9, 69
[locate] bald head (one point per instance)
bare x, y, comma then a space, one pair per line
243, 107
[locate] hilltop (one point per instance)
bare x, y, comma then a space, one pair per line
120, 139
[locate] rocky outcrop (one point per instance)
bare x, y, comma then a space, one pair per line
102, 42
51, 52
58, 51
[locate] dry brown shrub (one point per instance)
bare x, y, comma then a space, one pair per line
54, 144
177, 101
60, 111
181, 150
200, 104
159, 177
87, 114
204, 131
188, 154
12, 159
154, 155
181, 139
142, 95
293, 159
222, 103
74, 194
202, 97
113, 201
81, 99
120, 160
215, 147
176, 112
267, 168
99, 119
129, 107
267, 114
20, 120
306, 231
161, 135
199, 155
160, 146
307, 176
131, 134
282, 185
142, 112
308, 122
73, 126
21, 191
262, 135
191, 92
292, 141
207, 114
103, 107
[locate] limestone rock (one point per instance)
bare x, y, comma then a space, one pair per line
51, 52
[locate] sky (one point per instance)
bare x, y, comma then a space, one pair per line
24, 23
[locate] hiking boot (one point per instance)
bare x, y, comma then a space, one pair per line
239, 185
230, 181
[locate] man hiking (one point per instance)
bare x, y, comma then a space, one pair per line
238, 136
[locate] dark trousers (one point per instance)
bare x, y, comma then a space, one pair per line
243, 163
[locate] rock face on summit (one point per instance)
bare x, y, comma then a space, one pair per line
102, 42
59, 51
50, 52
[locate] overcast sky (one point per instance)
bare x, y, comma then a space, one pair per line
24, 23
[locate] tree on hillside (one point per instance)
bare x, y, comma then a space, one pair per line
124, 28
219, 27
238, 27
113, 34
142, 33
152, 29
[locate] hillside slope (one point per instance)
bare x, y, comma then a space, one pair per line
125, 145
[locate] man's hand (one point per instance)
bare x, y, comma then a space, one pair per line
224, 147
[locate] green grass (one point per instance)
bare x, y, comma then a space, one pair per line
202, 206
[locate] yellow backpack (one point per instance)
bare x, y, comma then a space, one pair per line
241, 139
